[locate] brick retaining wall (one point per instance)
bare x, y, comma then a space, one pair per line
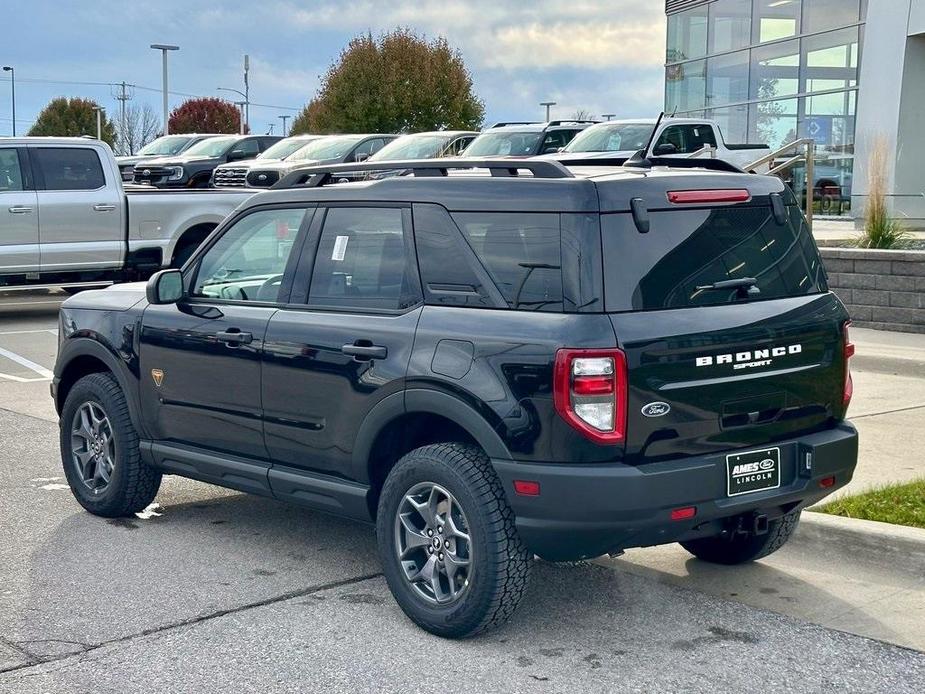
884, 290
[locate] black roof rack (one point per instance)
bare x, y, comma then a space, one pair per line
572, 120
505, 123
315, 176
674, 162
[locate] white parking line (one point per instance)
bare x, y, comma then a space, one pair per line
28, 363
28, 332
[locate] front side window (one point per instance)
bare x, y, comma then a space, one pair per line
248, 262
211, 147
521, 253
246, 148
10, 172
361, 260
69, 168
688, 139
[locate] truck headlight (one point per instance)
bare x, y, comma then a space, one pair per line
176, 173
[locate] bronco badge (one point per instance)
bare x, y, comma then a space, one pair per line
158, 377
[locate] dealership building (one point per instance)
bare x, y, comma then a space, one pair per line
848, 73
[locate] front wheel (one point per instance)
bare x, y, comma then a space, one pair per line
450, 552
740, 549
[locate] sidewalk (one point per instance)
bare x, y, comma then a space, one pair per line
827, 231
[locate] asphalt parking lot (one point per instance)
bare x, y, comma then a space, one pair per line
217, 591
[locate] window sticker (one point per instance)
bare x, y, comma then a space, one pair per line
340, 248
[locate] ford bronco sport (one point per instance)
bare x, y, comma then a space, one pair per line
541, 361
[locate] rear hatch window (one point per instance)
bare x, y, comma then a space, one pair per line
689, 250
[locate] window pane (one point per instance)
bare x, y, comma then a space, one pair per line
361, 260
685, 86
819, 15
831, 60
247, 263
730, 25
727, 79
687, 35
776, 19
69, 168
687, 139
733, 123
776, 70
10, 173
521, 253
773, 122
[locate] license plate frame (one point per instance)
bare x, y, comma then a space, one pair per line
739, 481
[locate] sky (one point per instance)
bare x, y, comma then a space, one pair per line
601, 56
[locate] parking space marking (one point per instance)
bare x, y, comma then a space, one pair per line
29, 364
53, 331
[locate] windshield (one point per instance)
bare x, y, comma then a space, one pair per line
213, 147
411, 147
325, 148
283, 148
497, 144
608, 137
170, 144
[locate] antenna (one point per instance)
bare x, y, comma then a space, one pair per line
641, 158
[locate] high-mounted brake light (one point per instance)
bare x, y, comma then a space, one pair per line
849, 352
691, 197
590, 392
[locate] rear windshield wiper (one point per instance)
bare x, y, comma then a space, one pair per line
749, 284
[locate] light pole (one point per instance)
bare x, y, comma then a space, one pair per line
608, 116
547, 104
163, 48
8, 68
284, 119
99, 121
242, 104
247, 91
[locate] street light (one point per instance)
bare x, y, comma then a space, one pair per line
243, 104
7, 68
547, 104
163, 48
608, 116
100, 110
284, 119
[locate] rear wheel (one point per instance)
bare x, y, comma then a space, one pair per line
450, 552
99, 450
743, 548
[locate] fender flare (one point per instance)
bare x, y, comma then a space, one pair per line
425, 401
88, 347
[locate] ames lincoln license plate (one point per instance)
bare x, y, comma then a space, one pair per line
752, 471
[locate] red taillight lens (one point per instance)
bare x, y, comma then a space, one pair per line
849, 352
692, 197
589, 390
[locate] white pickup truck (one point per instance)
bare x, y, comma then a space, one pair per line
66, 220
676, 137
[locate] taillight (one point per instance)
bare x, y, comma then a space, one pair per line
849, 352
692, 197
589, 390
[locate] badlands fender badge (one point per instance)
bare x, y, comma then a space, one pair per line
158, 377
656, 409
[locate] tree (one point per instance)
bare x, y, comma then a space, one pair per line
72, 117
206, 115
581, 114
398, 82
141, 125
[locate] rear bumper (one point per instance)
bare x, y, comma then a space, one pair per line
588, 510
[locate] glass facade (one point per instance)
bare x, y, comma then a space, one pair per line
773, 71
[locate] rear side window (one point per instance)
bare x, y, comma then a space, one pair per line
688, 250
688, 138
69, 168
10, 172
521, 253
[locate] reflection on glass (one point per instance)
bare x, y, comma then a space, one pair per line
727, 78
685, 86
776, 70
687, 35
777, 19
819, 15
831, 60
733, 123
730, 25
773, 122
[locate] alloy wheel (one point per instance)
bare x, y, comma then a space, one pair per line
93, 446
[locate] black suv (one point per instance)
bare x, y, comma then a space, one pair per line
543, 361
525, 139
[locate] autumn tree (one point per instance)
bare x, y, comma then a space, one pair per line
205, 115
72, 117
398, 82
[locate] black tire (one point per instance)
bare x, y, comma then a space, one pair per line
500, 565
745, 548
132, 484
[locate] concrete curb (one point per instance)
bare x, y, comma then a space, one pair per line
891, 547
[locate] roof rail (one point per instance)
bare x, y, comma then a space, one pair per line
674, 162
502, 124
315, 176
572, 120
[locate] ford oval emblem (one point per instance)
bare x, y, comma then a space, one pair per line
766, 464
656, 409
146, 172
262, 177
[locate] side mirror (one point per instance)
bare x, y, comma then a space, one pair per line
665, 149
361, 156
165, 287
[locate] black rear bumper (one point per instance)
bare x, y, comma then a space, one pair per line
588, 510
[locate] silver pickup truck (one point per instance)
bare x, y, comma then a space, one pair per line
66, 219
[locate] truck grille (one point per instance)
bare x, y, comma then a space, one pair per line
229, 177
262, 179
151, 173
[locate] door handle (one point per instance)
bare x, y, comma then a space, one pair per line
364, 350
20, 209
104, 207
234, 337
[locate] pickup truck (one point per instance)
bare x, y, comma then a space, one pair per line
66, 220
676, 137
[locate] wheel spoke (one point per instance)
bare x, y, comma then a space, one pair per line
453, 563
85, 464
93, 446
413, 538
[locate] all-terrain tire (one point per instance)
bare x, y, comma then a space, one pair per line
500, 563
745, 548
133, 484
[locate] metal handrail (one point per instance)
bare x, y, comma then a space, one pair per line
809, 156
708, 149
